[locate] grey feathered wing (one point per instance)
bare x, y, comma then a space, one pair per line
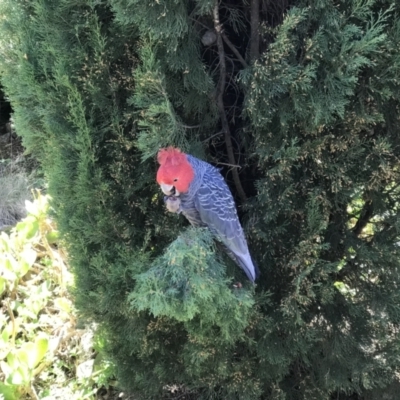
217, 210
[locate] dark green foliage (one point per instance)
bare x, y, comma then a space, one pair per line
97, 86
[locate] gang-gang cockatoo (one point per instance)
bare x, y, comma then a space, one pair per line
198, 190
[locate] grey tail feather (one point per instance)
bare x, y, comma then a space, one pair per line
242, 262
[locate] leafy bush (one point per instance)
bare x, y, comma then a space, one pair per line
303, 96
41, 351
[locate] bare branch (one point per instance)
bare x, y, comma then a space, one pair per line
255, 36
234, 50
190, 126
209, 138
365, 216
229, 165
220, 102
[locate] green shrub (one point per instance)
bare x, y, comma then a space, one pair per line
310, 112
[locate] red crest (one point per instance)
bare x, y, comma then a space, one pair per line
175, 169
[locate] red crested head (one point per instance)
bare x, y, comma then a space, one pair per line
175, 169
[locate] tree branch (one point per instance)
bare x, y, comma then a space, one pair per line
228, 42
213, 136
254, 23
220, 102
234, 50
229, 165
365, 215
190, 126
350, 269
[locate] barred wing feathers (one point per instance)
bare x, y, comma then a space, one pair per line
215, 204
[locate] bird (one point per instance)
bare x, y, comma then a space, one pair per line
197, 189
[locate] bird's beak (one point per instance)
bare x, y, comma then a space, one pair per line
169, 190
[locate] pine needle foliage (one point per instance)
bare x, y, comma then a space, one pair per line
311, 116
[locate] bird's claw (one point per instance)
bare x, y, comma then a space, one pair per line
173, 204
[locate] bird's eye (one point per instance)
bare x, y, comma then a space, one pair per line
176, 180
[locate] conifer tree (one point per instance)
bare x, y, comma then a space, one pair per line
298, 103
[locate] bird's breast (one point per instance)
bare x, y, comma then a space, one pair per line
189, 210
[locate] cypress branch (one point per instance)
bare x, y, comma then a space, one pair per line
95, 99
234, 50
255, 35
365, 216
220, 101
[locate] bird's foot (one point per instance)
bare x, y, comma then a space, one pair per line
173, 204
